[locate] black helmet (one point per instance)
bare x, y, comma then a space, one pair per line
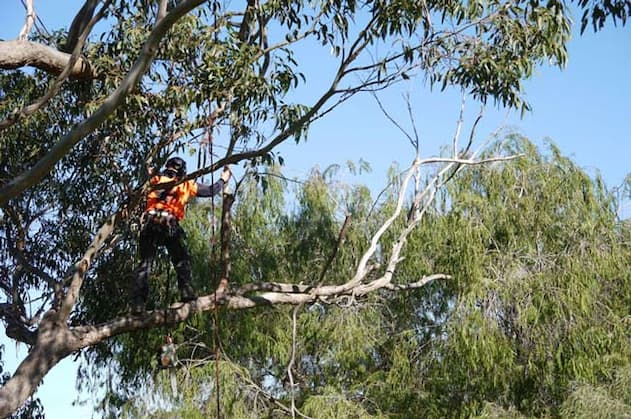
175, 167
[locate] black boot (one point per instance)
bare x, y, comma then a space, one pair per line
187, 293
139, 290
137, 306
183, 270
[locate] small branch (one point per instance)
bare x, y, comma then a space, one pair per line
466, 150
459, 126
417, 140
225, 233
394, 122
83, 265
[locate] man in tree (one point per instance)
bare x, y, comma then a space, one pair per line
160, 227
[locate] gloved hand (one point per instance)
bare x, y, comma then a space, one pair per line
225, 175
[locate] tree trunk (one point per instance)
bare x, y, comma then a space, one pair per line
52, 345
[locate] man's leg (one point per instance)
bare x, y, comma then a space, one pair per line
176, 246
140, 287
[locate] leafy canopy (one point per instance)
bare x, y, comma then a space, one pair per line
534, 321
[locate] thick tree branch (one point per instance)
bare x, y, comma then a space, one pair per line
51, 346
55, 340
78, 25
20, 53
162, 10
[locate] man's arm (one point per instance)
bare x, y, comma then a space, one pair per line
206, 191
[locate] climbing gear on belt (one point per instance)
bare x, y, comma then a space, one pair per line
161, 217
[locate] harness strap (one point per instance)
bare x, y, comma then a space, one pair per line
160, 213
161, 217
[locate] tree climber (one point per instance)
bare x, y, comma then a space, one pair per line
160, 227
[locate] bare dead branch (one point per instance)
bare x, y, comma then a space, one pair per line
459, 125
361, 267
30, 21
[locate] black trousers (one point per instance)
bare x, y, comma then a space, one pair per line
155, 233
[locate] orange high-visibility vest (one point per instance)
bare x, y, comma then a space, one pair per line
174, 200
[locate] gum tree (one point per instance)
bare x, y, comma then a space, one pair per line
77, 133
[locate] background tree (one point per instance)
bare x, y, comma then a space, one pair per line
532, 323
163, 74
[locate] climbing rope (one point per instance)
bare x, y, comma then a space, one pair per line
206, 149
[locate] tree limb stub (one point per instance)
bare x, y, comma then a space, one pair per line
20, 53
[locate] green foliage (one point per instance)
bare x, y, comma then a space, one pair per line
540, 310
534, 322
516, 238
610, 399
331, 405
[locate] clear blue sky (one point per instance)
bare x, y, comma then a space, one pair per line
585, 109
